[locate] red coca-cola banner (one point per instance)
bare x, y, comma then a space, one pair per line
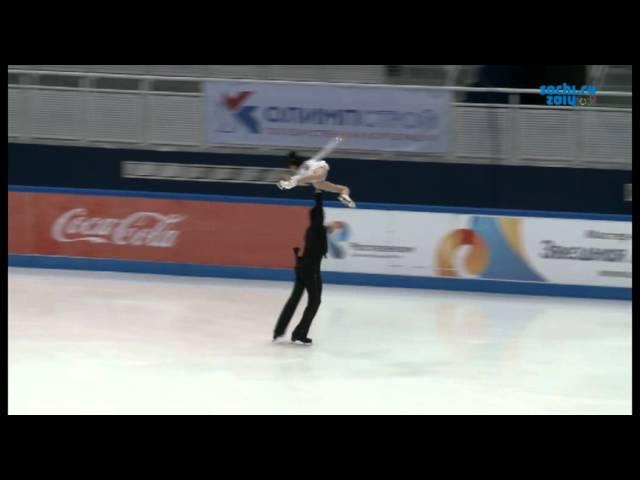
155, 229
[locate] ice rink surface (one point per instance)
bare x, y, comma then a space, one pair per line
110, 343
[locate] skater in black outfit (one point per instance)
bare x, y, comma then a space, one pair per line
307, 272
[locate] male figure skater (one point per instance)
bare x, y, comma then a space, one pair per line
307, 272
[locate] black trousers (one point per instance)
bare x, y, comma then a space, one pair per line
307, 278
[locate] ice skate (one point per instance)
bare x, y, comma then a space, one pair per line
346, 200
303, 341
286, 184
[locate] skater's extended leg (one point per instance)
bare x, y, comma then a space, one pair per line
342, 190
313, 285
290, 307
332, 187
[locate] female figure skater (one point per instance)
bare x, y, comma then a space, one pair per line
314, 172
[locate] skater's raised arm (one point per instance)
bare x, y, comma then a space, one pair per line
317, 212
327, 149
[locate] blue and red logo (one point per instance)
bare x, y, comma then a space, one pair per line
241, 114
496, 251
337, 235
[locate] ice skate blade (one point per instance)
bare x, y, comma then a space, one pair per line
347, 202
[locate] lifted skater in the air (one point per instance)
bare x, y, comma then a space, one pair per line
314, 172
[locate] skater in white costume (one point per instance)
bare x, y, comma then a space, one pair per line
314, 172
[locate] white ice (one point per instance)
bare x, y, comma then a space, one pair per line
110, 343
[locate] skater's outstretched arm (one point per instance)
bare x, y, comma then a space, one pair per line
317, 212
327, 149
303, 176
315, 238
313, 177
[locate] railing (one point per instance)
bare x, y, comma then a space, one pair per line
143, 111
323, 73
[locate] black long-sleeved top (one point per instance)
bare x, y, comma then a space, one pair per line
315, 239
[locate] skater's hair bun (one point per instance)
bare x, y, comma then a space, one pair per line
294, 159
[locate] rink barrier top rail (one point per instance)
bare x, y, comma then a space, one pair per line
328, 203
341, 278
292, 82
160, 112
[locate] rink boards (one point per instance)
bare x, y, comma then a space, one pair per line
376, 244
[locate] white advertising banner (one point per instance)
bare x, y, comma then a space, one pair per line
520, 249
307, 115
